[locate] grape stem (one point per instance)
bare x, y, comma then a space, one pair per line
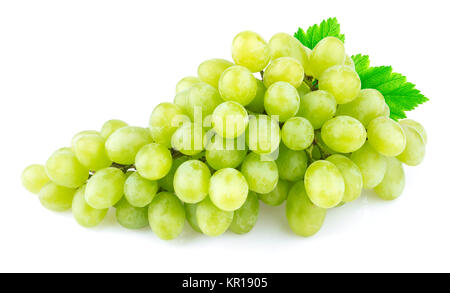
312, 83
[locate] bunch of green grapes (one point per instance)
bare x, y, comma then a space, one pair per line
305, 133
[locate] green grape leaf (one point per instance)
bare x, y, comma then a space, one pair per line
315, 33
400, 95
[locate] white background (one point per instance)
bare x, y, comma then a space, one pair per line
67, 66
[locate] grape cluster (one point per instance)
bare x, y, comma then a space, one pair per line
305, 133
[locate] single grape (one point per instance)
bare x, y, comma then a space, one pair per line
201, 102
186, 83
285, 45
304, 217
131, 217
229, 119
250, 50
166, 216
228, 189
414, 151
89, 148
349, 62
367, 106
212, 220
188, 139
245, 217
210, 70
303, 89
111, 126
123, 145
139, 191
257, 104
352, 176
417, 126
386, 136
181, 99
84, 214
342, 82
276, 196
281, 99
225, 153
166, 182
238, 84
261, 176
393, 182
191, 181
191, 216
34, 178
285, 69
80, 134
105, 188
165, 119
343, 134
56, 198
291, 164
263, 134
371, 164
324, 184
64, 169
328, 52
297, 133
318, 107
153, 161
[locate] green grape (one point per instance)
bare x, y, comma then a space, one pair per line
285, 45
228, 189
250, 50
191, 216
166, 182
191, 181
343, 134
238, 84
166, 216
165, 119
105, 188
257, 104
321, 146
285, 69
34, 178
153, 161
188, 139
303, 89
186, 83
56, 198
139, 191
371, 164
414, 151
123, 145
261, 176
349, 62
210, 70
297, 133
225, 153
131, 217
229, 119
291, 164
64, 169
386, 136
84, 214
81, 134
342, 82
367, 106
328, 52
111, 126
212, 220
276, 196
89, 148
324, 184
393, 182
202, 100
317, 107
181, 99
282, 99
245, 217
263, 135
351, 174
304, 217
417, 126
